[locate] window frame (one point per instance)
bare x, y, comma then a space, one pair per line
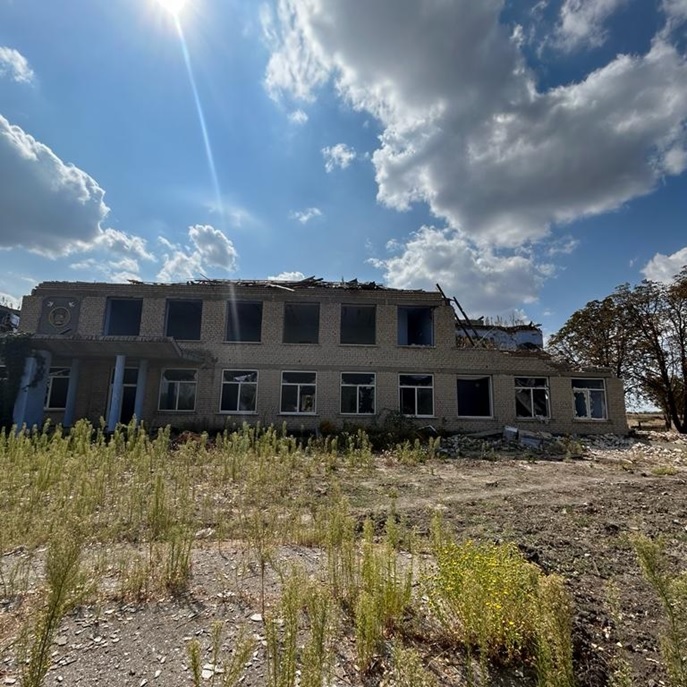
229, 319
547, 395
240, 385
490, 380
194, 383
587, 391
349, 385
53, 374
298, 394
416, 387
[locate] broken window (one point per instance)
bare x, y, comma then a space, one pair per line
298, 392
123, 316
589, 398
474, 396
129, 384
301, 323
183, 319
417, 395
239, 391
244, 321
178, 390
531, 397
58, 386
358, 393
415, 326
358, 324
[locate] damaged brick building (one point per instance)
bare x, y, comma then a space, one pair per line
208, 354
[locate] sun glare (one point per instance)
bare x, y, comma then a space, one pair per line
174, 7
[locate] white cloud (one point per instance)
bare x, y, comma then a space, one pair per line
581, 23
48, 206
339, 155
298, 117
209, 247
287, 276
9, 300
15, 66
664, 267
304, 216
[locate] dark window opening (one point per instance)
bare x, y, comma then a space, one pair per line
123, 317
183, 319
244, 321
358, 393
239, 391
531, 397
178, 390
589, 397
474, 397
298, 392
301, 323
417, 395
129, 384
58, 386
415, 326
358, 324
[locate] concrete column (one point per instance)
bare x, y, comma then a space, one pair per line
28, 407
70, 408
117, 394
140, 389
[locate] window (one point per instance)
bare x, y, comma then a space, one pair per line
474, 396
301, 323
298, 392
58, 386
183, 319
244, 321
129, 386
358, 393
178, 390
415, 326
417, 395
358, 324
123, 317
239, 391
531, 397
589, 398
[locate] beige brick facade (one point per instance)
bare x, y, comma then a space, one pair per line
85, 337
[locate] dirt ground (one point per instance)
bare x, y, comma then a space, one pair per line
570, 515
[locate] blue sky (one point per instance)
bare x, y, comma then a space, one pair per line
528, 156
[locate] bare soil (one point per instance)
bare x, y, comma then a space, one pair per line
573, 516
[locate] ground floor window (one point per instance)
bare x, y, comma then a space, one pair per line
178, 390
531, 397
358, 393
57, 388
298, 392
589, 399
474, 396
417, 395
239, 391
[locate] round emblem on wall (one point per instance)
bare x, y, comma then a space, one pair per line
59, 317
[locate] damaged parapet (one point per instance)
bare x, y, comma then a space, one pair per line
502, 337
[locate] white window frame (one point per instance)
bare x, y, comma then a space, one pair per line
240, 385
358, 387
587, 391
193, 383
299, 386
532, 389
491, 397
56, 372
402, 386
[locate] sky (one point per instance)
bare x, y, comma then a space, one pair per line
527, 156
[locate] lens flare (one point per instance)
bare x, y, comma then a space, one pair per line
174, 7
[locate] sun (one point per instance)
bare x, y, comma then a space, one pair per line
174, 7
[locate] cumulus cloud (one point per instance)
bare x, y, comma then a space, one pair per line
304, 216
208, 248
298, 117
288, 276
14, 66
664, 268
581, 23
339, 155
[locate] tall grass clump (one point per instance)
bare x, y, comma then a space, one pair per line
671, 589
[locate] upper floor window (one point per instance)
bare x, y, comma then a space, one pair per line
183, 319
531, 397
417, 395
301, 323
123, 316
244, 321
239, 391
358, 393
474, 396
415, 326
58, 386
589, 398
178, 390
358, 324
